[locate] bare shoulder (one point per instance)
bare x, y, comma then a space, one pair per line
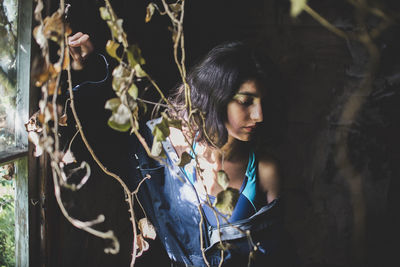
178, 141
268, 175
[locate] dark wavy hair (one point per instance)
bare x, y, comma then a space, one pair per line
215, 80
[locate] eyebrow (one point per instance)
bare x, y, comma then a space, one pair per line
247, 94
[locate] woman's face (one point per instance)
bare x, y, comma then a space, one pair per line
244, 111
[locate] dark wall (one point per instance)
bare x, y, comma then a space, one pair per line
334, 220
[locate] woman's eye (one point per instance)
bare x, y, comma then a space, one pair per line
244, 101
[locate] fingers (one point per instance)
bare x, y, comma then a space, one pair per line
76, 53
72, 39
79, 39
80, 47
87, 46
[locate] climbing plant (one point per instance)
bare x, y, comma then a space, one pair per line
44, 126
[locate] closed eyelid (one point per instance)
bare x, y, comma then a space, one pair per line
247, 94
242, 98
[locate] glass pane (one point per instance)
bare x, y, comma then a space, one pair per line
7, 218
8, 72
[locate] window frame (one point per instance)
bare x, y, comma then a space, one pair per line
18, 154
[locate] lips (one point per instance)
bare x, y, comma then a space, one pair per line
250, 128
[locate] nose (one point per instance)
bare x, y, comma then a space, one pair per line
256, 113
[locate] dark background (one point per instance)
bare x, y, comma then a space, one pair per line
320, 72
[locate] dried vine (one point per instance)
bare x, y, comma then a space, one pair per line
43, 128
44, 132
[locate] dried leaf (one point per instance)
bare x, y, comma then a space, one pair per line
157, 149
104, 14
175, 123
68, 30
41, 118
113, 104
53, 26
185, 159
48, 72
226, 200
38, 151
161, 130
51, 87
142, 245
118, 126
33, 124
117, 31
35, 140
134, 55
172, 122
120, 71
68, 157
133, 106
175, 8
123, 114
222, 178
63, 120
147, 229
121, 79
41, 40
139, 71
42, 78
120, 120
297, 7
149, 12
133, 91
111, 48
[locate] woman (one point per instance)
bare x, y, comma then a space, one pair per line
228, 88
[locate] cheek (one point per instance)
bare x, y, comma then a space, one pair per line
235, 117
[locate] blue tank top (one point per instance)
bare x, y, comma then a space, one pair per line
246, 204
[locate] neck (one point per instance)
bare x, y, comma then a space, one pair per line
234, 149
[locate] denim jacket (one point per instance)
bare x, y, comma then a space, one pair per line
171, 203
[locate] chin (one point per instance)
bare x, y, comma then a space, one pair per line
243, 137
